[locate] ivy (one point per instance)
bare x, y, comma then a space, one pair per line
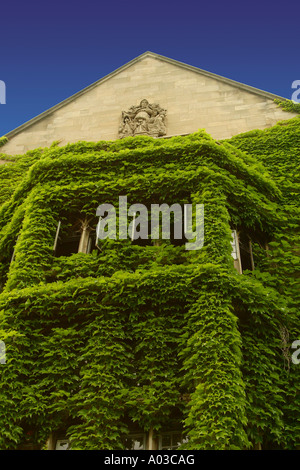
288, 105
152, 336
3, 141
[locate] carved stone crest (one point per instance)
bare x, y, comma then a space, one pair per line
144, 119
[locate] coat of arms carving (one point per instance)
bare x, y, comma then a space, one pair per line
144, 119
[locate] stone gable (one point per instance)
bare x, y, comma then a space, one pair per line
193, 100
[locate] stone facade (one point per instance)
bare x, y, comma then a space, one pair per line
194, 99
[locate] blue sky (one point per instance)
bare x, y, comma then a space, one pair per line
51, 50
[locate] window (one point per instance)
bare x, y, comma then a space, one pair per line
165, 441
235, 253
77, 238
241, 251
176, 237
62, 444
91, 244
13, 253
246, 255
171, 440
136, 442
68, 245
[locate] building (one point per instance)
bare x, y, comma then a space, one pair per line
194, 99
130, 342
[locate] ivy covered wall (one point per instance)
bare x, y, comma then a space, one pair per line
152, 337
